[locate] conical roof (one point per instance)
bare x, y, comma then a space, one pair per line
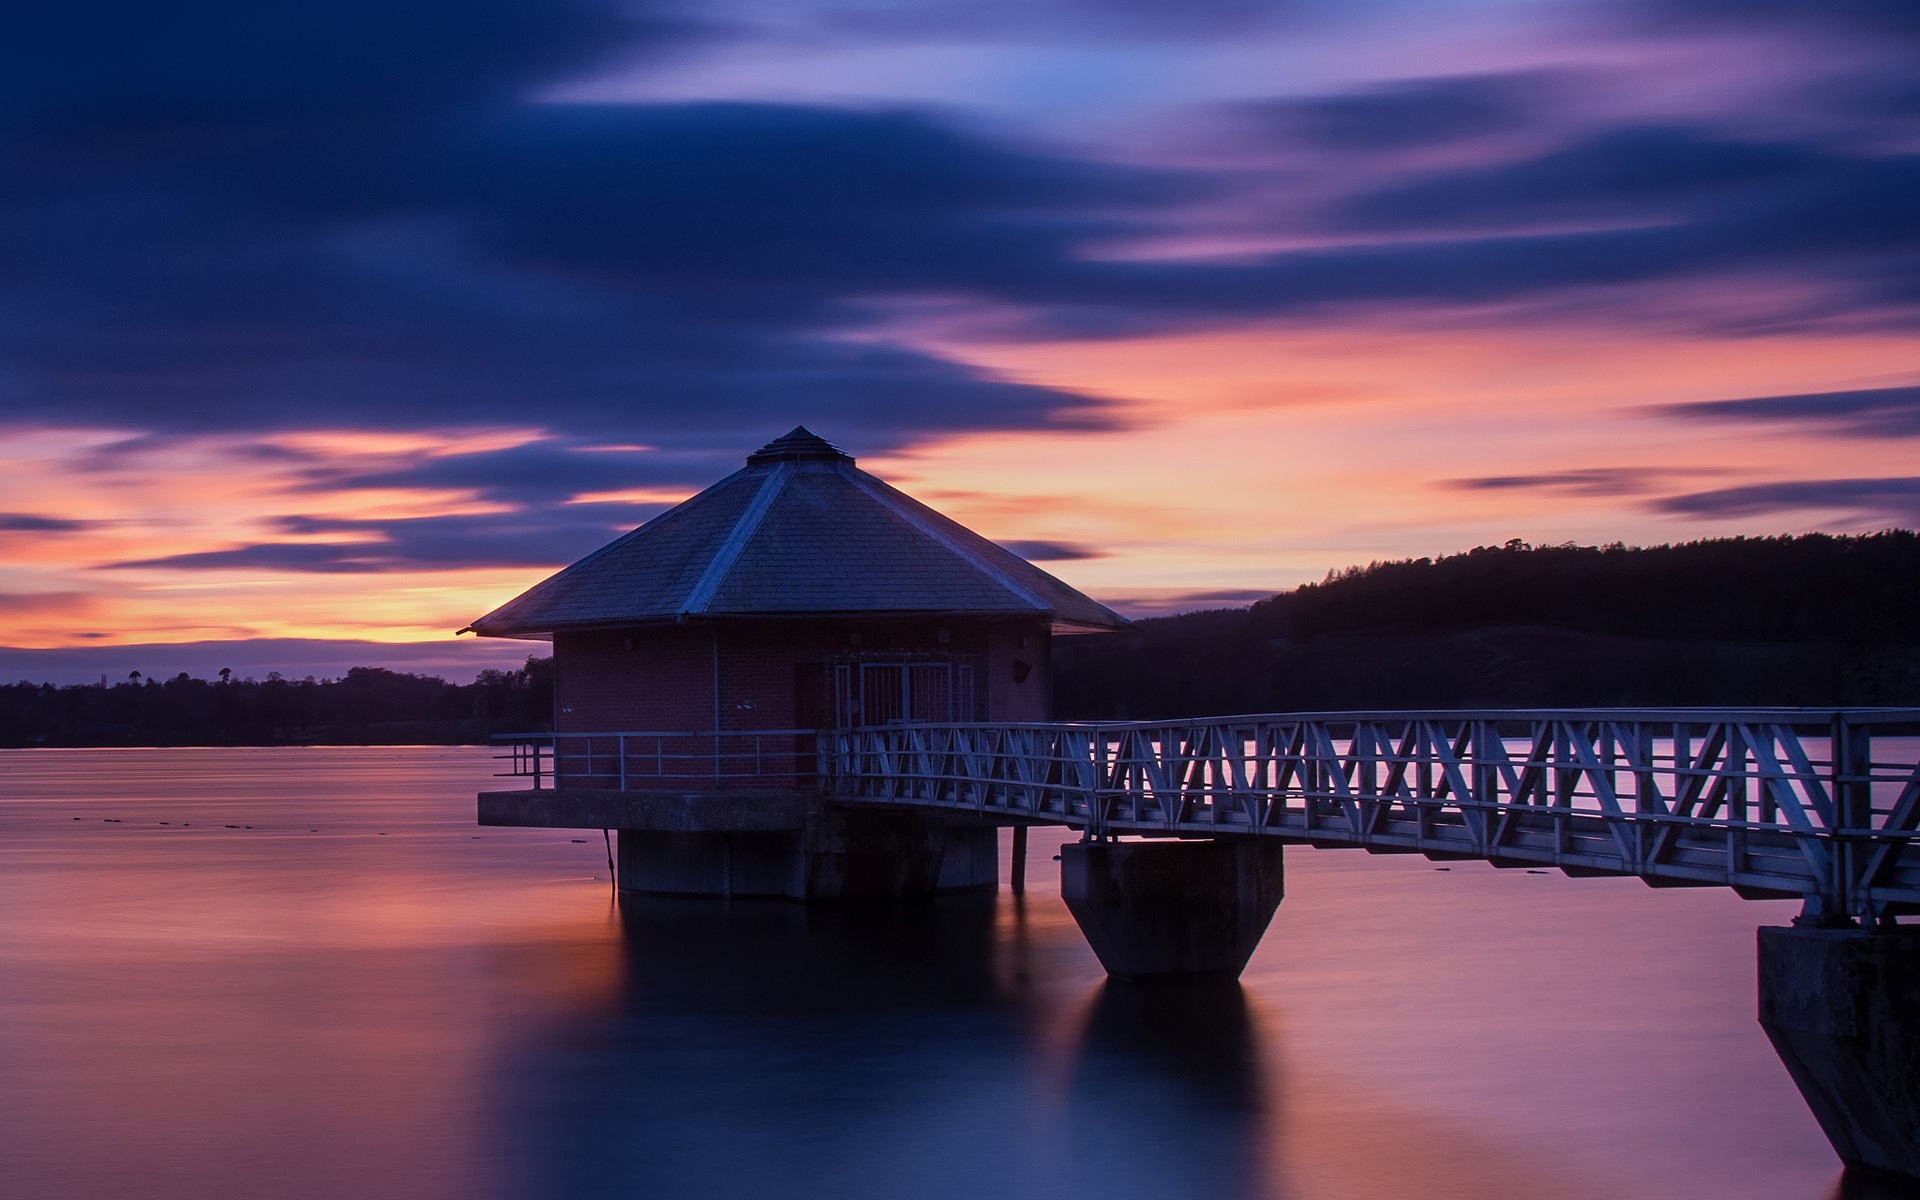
800, 531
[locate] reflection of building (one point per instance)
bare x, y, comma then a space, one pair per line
797, 594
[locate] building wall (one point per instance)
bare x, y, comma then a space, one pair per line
654, 679
662, 677
1020, 672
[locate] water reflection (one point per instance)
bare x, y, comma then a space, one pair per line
772, 956
305, 974
1169, 1092
876, 1050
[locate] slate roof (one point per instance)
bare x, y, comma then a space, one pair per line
800, 531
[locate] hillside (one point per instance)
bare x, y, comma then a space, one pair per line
1810, 620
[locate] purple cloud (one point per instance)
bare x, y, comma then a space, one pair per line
1892, 412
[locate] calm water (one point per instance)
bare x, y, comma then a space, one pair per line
356, 993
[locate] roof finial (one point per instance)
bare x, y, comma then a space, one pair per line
799, 445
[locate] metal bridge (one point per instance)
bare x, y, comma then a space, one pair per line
1818, 804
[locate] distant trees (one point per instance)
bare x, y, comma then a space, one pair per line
1814, 620
369, 705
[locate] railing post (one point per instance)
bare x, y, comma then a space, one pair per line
1486, 776
623, 762
1852, 754
536, 763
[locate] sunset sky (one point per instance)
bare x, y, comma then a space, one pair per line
336, 320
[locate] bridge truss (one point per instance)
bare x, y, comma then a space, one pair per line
1817, 804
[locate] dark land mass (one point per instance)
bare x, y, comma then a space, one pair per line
368, 706
1814, 621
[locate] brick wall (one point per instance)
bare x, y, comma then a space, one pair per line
662, 677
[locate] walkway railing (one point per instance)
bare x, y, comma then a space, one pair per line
626, 761
1819, 804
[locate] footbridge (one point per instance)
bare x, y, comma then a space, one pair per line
1819, 805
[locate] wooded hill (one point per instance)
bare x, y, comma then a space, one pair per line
1812, 620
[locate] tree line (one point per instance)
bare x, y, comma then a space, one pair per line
1816, 620
366, 706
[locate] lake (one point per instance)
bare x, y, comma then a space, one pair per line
299, 972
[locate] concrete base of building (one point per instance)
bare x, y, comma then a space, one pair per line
1163, 909
759, 811
1840, 1008
838, 854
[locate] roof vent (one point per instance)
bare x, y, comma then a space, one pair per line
801, 445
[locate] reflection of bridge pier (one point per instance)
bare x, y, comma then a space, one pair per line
1147, 1050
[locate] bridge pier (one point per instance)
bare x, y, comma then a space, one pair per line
1842, 1008
1176, 908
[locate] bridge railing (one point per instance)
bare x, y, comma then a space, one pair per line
1819, 804
646, 759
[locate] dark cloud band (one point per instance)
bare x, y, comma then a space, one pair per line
1867, 413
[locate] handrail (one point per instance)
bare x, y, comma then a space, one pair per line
623, 760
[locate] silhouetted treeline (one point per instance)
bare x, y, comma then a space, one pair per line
1814, 620
368, 706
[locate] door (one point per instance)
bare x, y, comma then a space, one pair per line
881, 691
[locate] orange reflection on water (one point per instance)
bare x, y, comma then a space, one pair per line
305, 972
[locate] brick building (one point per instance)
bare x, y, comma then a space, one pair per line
797, 594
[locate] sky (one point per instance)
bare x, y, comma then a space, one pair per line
326, 327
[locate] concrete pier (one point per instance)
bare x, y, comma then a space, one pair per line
768, 842
836, 855
1153, 909
1842, 1008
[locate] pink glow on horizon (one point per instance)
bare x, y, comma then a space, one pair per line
1248, 460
